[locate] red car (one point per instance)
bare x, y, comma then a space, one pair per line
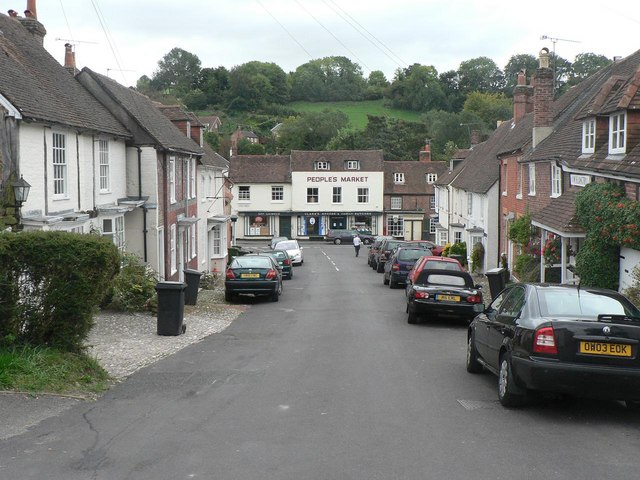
435, 249
435, 263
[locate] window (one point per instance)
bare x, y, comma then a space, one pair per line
432, 202
398, 178
520, 175
172, 179
172, 249
321, 165
277, 193
216, 241
431, 178
103, 155
617, 132
192, 244
443, 237
396, 203
589, 135
312, 195
395, 226
363, 195
337, 195
532, 179
59, 165
244, 193
188, 129
353, 165
469, 203
432, 225
505, 178
114, 229
192, 178
457, 237
556, 181
204, 193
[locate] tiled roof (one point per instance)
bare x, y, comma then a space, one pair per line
260, 169
42, 89
142, 110
211, 158
415, 172
175, 113
560, 215
370, 160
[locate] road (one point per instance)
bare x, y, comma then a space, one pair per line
329, 383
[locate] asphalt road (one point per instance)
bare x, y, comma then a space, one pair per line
329, 383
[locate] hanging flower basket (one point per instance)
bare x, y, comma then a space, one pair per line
551, 251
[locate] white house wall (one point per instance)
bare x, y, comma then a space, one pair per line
629, 258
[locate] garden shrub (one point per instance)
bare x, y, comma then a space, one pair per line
132, 287
633, 292
527, 268
50, 285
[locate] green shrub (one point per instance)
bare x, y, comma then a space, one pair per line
598, 264
50, 286
132, 288
633, 292
527, 268
477, 257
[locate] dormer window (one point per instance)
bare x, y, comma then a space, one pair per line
589, 135
617, 132
321, 165
398, 178
431, 178
352, 165
556, 181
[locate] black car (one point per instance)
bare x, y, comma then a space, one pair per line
339, 236
384, 252
283, 259
564, 339
253, 274
443, 293
374, 249
400, 264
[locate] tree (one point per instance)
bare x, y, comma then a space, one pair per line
311, 131
444, 127
177, 72
517, 63
480, 74
416, 88
585, 65
328, 79
245, 147
255, 85
214, 82
450, 84
490, 107
377, 84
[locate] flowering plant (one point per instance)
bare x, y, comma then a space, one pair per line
551, 251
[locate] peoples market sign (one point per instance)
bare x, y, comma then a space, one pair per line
337, 179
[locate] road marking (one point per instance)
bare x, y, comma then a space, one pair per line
471, 405
332, 262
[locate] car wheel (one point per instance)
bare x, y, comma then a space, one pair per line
508, 393
473, 365
228, 296
385, 280
373, 264
366, 241
633, 405
276, 295
337, 241
392, 284
291, 274
379, 267
412, 318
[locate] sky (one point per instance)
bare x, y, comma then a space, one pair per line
125, 39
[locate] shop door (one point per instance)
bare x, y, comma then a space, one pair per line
338, 223
285, 226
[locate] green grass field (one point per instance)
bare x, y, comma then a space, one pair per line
357, 111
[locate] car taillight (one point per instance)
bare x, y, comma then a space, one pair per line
474, 299
422, 294
544, 341
229, 274
271, 274
395, 267
287, 262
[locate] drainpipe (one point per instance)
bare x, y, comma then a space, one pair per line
78, 167
165, 214
93, 172
144, 208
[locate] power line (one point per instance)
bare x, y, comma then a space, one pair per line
286, 31
108, 37
331, 33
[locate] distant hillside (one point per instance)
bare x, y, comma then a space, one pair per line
357, 111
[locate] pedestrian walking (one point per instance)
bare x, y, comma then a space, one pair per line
356, 243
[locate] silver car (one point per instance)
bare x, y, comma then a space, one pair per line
294, 250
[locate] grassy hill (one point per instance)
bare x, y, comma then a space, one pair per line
357, 111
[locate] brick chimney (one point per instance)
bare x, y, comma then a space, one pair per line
12, 13
543, 100
70, 59
31, 23
425, 153
522, 94
474, 138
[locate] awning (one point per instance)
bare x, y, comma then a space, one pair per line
187, 221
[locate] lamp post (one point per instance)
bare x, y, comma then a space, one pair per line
21, 192
234, 219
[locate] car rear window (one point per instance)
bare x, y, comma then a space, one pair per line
279, 255
582, 303
251, 262
408, 255
440, 265
440, 279
287, 245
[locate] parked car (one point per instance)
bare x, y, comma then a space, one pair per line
374, 248
294, 250
339, 236
283, 259
433, 262
444, 293
254, 275
384, 252
436, 250
400, 264
273, 257
564, 339
275, 240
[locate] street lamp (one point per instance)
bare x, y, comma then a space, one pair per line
234, 219
21, 192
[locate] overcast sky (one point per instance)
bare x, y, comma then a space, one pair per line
125, 39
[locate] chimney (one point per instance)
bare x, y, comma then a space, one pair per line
521, 97
425, 153
543, 100
70, 59
12, 13
474, 138
31, 8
